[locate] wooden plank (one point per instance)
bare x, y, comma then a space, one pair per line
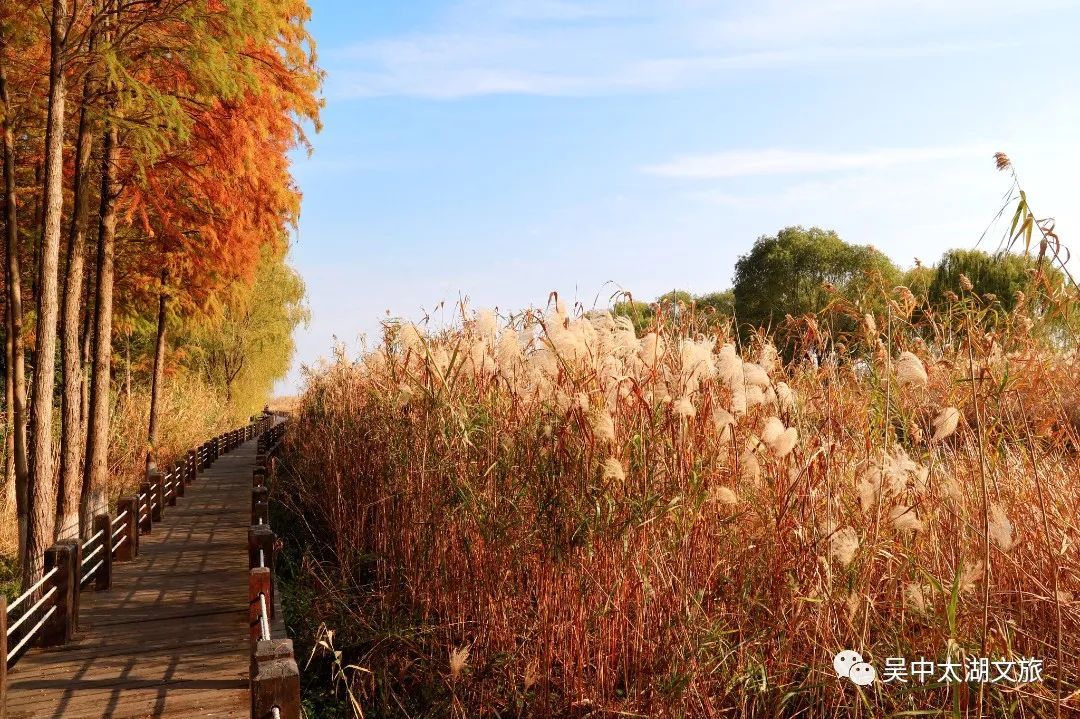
171, 636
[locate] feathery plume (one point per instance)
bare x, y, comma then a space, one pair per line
725, 495
910, 370
768, 357
843, 545
785, 397
915, 597
508, 353
971, 571
613, 470
603, 426
754, 375
652, 349
684, 408
1001, 529
458, 659
904, 519
410, 337
779, 439
944, 423
749, 467
487, 324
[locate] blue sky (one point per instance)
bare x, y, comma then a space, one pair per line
501, 149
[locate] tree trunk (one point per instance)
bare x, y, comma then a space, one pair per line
85, 340
43, 496
9, 400
159, 369
127, 367
17, 368
71, 433
97, 430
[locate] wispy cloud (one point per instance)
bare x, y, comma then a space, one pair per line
743, 163
431, 69
574, 48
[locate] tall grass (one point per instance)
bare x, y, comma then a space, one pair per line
552, 516
191, 411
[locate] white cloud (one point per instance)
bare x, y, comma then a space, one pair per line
568, 48
782, 21
743, 163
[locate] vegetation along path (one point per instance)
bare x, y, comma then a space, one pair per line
171, 638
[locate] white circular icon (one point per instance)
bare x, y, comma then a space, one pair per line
862, 674
844, 661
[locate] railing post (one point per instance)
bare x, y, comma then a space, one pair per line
157, 506
258, 583
146, 523
3, 655
130, 548
59, 627
275, 682
258, 476
269, 650
261, 538
178, 482
260, 505
103, 578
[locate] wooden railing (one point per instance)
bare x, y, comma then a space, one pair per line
47, 613
275, 675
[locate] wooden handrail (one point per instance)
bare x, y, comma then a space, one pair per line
51, 605
275, 675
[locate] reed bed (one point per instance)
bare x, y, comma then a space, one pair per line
549, 515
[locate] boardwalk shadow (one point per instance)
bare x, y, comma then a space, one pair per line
171, 637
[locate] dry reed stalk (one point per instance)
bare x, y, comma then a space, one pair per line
467, 492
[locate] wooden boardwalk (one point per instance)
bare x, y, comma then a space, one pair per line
171, 638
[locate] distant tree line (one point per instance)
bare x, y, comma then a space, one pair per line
800, 272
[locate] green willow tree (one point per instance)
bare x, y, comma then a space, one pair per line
1001, 279
799, 270
250, 345
1001, 275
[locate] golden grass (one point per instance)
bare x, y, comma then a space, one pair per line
587, 522
286, 404
190, 413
